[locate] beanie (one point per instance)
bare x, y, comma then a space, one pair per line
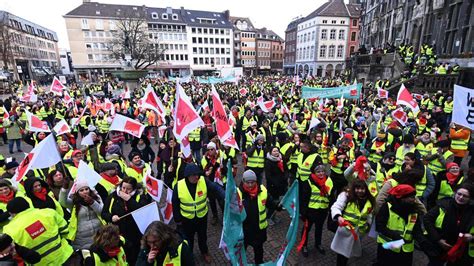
259, 137
192, 169
249, 175
211, 145
402, 191
79, 184
17, 205
108, 166
133, 154
11, 165
452, 164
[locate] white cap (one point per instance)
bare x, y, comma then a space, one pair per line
253, 123
211, 145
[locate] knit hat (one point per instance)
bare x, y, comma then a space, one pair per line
253, 123
79, 184
11, 165
402, 191
133, 154
17, 205
452, 164
259, 137
75, 152
249, 175
211, 145
108, 166
192, 169
408, 139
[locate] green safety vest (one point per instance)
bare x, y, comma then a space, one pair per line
439, 224
400, 156
195, 135
374, 157
459, 144
405, 229
424, 149
448, 107
129, 171
435, 165
190, 207
382, 177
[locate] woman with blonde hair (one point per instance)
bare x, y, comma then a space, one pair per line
162, 245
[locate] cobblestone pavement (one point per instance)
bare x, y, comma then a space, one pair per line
275, 234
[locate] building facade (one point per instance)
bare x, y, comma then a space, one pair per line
354, 31
322, 39
266, 56
29, 51
244, 44
290, 47
65, 62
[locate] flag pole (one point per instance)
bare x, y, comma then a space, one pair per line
125, 215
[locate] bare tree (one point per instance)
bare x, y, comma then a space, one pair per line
6, 42
132, 38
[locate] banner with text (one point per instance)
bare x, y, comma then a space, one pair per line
463, 112
348, 92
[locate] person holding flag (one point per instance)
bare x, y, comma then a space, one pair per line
117, 208
190, 197
161, 245
211, 165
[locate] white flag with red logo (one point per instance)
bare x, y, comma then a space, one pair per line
44, 155
67, 98
107, 105
205, 107
167, 211
125, 94
383, 94
154, 187
35, 124
29, 98
417, 96
340, 104
405, 98
284, 109
161, 131
266, 106
243, 91
57, 87
186, 119
231, 142
185, 147
61, 127
220, 116
127, 125
151, 101
145, 215
400, 116
6, 115
31, 88
314, 122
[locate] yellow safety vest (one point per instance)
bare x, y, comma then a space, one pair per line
400, 155
424, 149
129, 171
382, 177
435, 165
448, 107
175, 260
121, 259
301, 127
246, 123
374, 157
304, 167
459, 144
256, 160
317, 201
193, 207
398, 224
445, 190
195, 135
357, 217
262, 206
439, 224
103, 125
41, 230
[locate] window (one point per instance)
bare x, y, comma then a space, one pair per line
194, 50
342, 34
343, 22
324, 34
332, 35
331, 51
205, 31
352, 49
88, 45
325, 21
313, 35
340, 51
193, 30
174, 17
353, 36
85, 24
354, 22
164, 16
90, 57
333, 22
322, 51
154, 15
99, 24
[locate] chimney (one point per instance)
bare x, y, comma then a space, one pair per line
86, 1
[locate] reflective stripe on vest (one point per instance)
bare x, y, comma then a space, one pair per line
193, 207
317, 201
435, 165
195, 135
382, 177
257, 159
459, 144
421, 185
176, 260
398, 224
356, 217
445, 190
374, 157
424, 149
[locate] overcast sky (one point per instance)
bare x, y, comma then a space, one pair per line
274, 15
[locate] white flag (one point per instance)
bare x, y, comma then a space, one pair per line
151, 101
167, 211
146, 215
44, 155
61, 127
463, 111
405, 98
314, 122
154, 187
127, 125
35, 124
84, 172
87, 140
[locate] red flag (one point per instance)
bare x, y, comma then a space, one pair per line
23, 168
127, 125
167, 211
383, 94
205, 106
151, 101
220, 116
185, 116
57, 87
35, 124
230, 142
405, 98
400, 116
31, 88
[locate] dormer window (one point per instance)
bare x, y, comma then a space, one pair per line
154, 15
174, 17
164, 16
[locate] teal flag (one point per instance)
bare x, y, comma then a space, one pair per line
348, 92
232, 238
291, 204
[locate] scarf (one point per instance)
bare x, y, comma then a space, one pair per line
452, 178
113, 156
139, 168
7, 198
321, 183
41, 194
112, 252
252, 192
278, 160
359, 168
111, 179
141, 147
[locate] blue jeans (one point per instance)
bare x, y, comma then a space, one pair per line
10, 144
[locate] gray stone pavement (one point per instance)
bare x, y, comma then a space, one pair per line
275, 234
